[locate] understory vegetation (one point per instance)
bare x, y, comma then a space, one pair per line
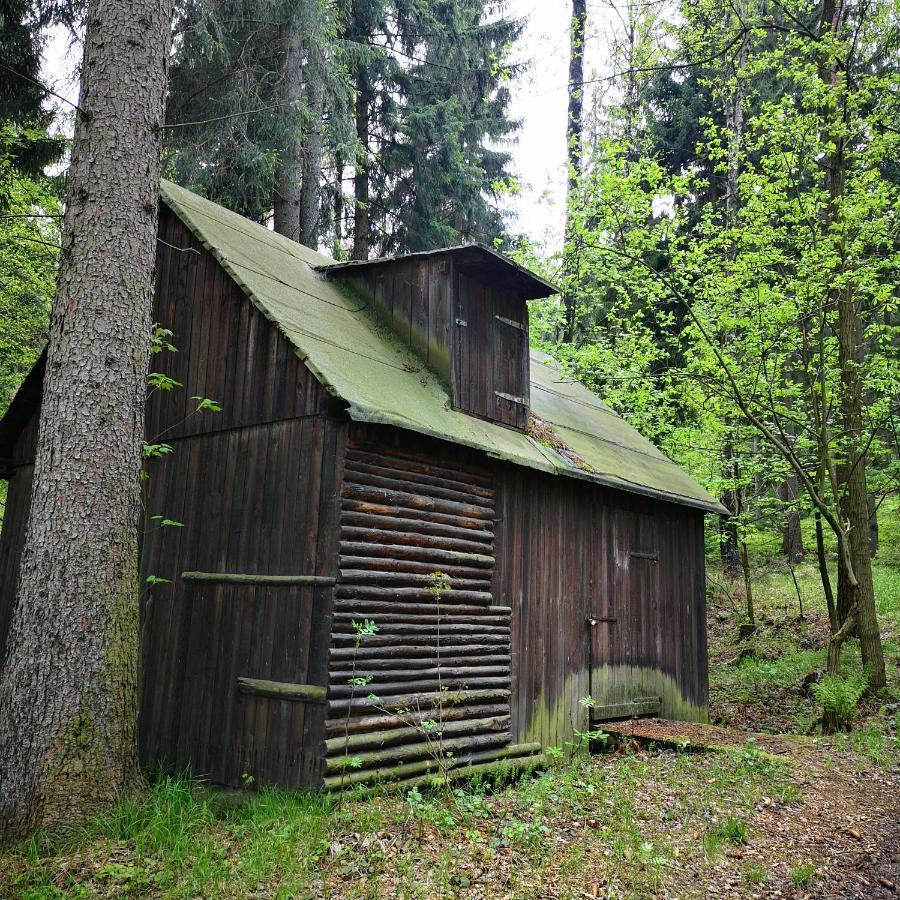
744, 815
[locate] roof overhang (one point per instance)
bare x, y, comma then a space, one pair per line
475, 260
25, 402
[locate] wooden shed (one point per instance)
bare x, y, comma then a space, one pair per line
382, 422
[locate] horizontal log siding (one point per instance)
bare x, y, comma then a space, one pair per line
417, 505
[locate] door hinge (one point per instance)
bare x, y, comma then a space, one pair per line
521, 401
511, 322
462, 323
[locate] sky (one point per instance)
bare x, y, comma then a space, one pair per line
539, 101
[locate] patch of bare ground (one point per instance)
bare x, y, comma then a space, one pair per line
839, 839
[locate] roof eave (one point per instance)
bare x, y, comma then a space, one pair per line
539, 287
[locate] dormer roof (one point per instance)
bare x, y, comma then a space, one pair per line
476, 260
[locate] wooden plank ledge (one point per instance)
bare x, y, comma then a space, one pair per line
700, 737
642, 706
282, 690
236, 578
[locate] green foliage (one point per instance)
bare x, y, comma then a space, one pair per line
840, 696
803, 874
162, 382
29, 239
155, 451
227, 75
442, 171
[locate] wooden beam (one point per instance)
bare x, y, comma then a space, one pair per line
643, 706
282, 690
233, 578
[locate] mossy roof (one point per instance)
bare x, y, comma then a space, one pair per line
359, 360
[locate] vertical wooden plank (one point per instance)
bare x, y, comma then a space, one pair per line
419, 324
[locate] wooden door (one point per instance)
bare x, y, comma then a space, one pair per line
510, 354
623, 619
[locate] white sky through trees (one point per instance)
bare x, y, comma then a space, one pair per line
539, 101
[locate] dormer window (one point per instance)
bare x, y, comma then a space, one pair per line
464, 311
490, 371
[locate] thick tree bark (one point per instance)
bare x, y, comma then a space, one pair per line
286, 202
574, 136
361, 226
311, 178
68, 690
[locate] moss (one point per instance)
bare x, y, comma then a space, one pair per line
554, 722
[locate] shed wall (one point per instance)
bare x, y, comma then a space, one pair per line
563, 553
15, 519
255, 488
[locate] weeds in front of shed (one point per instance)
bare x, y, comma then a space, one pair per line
429, 728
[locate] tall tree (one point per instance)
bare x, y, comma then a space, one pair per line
574, 138
256, 88
836, 57
68, 689
439, 179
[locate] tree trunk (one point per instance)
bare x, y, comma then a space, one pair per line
338, 249
850, 354
873, 526
729, 544
574, 135
310, 186
286, 201
68, 690
822, 560
791, 534
862, 595
361, 226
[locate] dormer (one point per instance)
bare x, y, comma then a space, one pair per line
464, 312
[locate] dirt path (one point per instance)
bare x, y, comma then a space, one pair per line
846, 821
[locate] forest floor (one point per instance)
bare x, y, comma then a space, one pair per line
758, 806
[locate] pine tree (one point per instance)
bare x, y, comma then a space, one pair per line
441, 175
262, 81
68, 687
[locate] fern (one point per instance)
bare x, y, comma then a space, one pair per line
840, 696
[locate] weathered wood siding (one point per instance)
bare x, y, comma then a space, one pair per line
412, 509
564, 553
491, 363
255, 488
413, 296
15, 519
467, 329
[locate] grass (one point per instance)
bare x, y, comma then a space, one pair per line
585, 819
